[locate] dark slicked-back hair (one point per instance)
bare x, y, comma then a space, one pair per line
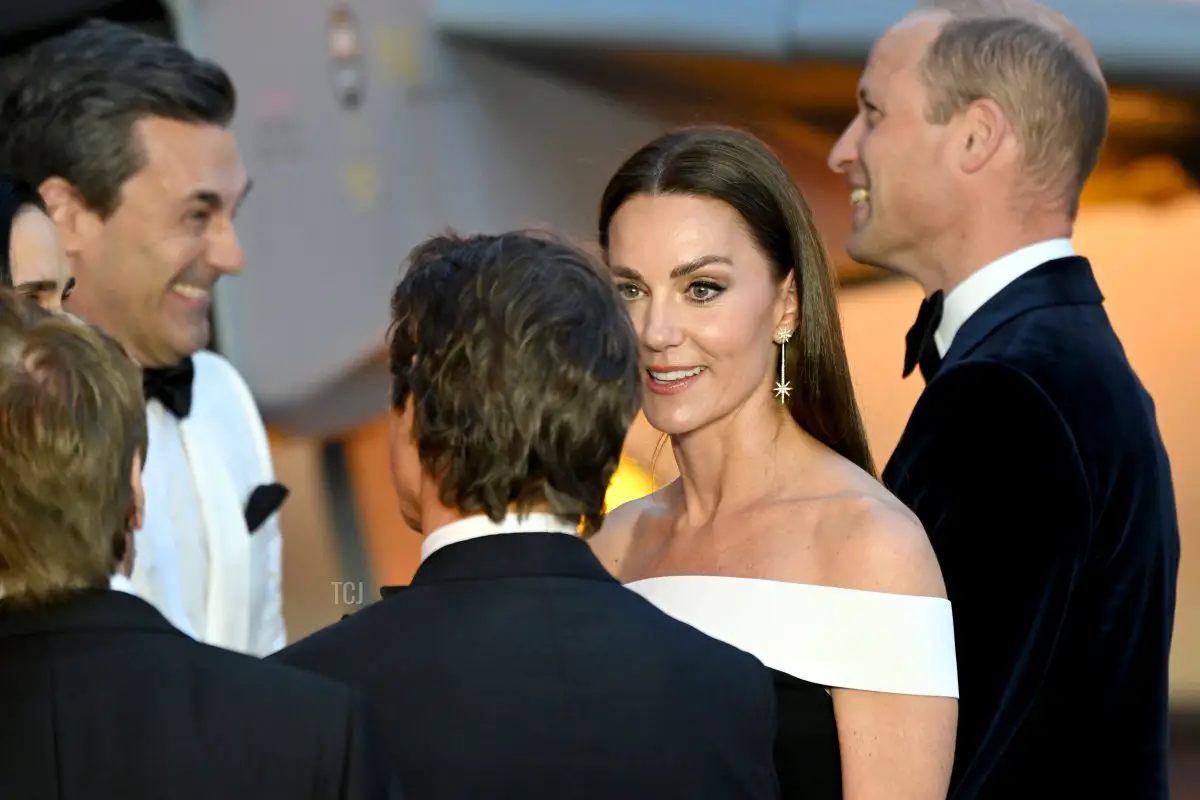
522, 366
71, 103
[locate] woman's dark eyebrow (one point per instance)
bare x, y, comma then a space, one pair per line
679, 272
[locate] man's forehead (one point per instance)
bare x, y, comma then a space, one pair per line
902, 46
181, 155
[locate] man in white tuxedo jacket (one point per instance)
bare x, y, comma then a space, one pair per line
127, 138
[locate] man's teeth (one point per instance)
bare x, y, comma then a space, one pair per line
675, 375
193, 292
858, 196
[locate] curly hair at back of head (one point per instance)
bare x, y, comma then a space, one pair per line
71, 103
522, 367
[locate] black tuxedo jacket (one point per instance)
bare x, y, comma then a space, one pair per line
1034, 460
514, 667
102, 699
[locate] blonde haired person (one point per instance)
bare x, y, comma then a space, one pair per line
103, 699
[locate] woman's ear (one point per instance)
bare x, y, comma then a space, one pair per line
789, 314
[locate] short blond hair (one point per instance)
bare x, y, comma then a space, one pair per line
1037, 67
72, 418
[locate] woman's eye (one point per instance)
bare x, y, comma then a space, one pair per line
629, 291
703, 292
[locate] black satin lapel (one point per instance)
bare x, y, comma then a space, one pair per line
264, 501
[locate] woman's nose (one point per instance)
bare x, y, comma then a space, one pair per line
662, 327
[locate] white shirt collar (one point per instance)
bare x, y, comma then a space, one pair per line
120, 583
478, 526
969, 296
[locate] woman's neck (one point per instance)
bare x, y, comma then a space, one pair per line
734, 461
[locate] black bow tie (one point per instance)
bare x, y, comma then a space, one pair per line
171, 386
919, 347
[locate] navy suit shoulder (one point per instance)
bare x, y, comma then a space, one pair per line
336, 717
1073, 354
176, 717
640, 621
1034, 460
598, 694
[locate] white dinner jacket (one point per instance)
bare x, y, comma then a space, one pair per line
225, 445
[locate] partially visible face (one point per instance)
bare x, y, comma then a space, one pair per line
896, 161
136, 516
705, 303
147, 272
405, 461
39, 264
138, 511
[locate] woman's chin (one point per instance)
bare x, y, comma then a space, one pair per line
676, 422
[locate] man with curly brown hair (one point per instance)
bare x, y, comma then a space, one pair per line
514, 665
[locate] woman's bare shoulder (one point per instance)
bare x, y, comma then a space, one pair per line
611, 542
871, 541
857, 535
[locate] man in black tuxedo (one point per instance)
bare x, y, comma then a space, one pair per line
1033, 456
514, 666
102, 698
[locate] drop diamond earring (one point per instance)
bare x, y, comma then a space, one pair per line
783, 389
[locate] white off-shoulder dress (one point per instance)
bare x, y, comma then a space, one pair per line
813, 639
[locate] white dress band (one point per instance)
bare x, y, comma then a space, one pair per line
834, 637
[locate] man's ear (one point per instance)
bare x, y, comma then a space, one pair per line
76, 221
401, 421
984, 129
137, 508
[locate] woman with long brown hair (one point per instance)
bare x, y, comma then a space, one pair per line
776, 537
